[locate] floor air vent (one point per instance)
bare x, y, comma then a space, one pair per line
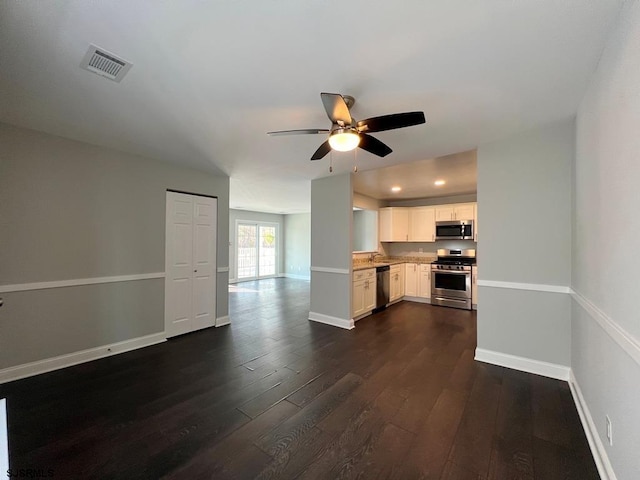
106, 64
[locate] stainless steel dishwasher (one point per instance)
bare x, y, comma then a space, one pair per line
382, 287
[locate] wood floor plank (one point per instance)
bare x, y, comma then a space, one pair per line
429, 452
236, 456
473, 442
287, 433
400, 396
548, 412
512, 455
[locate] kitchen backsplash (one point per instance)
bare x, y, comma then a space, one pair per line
412, 249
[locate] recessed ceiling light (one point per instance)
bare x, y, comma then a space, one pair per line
396, 189
439, 183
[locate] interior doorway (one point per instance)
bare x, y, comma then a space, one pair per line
256, 250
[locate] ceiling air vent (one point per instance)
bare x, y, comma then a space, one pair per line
104, 63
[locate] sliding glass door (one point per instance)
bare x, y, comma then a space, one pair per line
257, 250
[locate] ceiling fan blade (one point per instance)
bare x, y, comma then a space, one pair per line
389, 122
299, 132
321, 151
373, 145
336, 107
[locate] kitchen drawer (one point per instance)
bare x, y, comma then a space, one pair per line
397, 268
368, 274
425, 267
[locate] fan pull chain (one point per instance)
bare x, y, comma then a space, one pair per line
331, 161
355, 160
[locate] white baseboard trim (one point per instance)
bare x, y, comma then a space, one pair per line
546, 369
76, 282
347, 324
595, 443
222, 321
297, 277
619, 335
49, 364
536, 287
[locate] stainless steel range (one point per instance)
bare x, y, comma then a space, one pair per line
451, 278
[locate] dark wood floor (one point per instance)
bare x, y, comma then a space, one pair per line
276, 396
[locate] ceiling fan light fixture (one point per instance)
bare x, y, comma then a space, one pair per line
344, 140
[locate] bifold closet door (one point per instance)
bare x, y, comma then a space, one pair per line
190, 267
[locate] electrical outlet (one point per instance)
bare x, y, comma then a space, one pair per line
609, 430
420, 250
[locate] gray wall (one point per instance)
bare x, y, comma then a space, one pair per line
365, 230
69, 210
297, 245
250, 216
605, 245
331, 240
524, 189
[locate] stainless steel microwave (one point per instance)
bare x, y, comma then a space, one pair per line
454, 230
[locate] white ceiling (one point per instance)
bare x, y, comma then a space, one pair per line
209, 79
417, 179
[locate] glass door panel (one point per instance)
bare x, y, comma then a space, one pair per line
257, 250
267, 251
247, 254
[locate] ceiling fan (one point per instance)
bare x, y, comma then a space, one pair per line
346, 134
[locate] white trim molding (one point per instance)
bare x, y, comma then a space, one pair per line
222, 321
4, 438
627, 342
546, 369
21, 287
223, 269
536, 287
588, 425
345, 323
70, 359
341, 271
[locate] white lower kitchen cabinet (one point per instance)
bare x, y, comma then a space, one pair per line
425, 281
474, 287
411, 279
396, 282
363, 292
417, 282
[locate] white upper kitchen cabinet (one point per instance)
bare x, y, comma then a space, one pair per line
394, 224
464, 211
458, 211
444, 212
422, 224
